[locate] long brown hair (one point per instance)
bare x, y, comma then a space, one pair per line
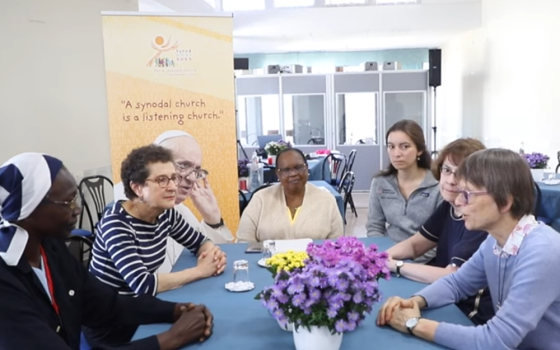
416, 134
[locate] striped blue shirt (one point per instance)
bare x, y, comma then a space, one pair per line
127, 251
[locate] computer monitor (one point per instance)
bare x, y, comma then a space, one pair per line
264, 139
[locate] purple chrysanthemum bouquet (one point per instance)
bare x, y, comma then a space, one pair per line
336, 289
536, 160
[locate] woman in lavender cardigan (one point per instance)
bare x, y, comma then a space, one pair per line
518, 262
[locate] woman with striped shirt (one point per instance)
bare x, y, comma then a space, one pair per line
132, 235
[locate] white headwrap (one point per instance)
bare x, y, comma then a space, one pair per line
24, 182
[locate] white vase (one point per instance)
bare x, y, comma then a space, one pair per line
538, 174
287, 327
319, 338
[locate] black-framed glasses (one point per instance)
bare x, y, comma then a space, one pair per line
163, 181
445, 170
72, 205
299, 169
187, 170
467, 195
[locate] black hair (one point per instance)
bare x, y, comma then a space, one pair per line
134, 168
286, 150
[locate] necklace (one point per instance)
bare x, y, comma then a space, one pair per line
501, 281
454, 217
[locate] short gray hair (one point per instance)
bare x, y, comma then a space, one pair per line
504, 174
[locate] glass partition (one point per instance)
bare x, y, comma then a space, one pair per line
257, 115
356, 117
304, 119
404, 105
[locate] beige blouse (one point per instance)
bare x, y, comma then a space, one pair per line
268, 217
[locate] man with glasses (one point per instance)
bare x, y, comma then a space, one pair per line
195, 185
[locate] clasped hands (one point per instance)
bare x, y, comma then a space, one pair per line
396, 311
212, 262
191, 323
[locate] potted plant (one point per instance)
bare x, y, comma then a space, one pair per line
328, 296
274, 147
287, 262
537, 162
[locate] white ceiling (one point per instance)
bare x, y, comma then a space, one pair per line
349, 28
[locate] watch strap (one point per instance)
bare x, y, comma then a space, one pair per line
399, 265
218, 225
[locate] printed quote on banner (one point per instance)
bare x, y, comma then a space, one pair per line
174, 73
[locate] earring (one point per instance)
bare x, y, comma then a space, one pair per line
418, 159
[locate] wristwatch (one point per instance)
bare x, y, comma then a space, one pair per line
399, 264
218, 225
411, 323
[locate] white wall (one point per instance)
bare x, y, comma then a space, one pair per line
514, 60
52, 80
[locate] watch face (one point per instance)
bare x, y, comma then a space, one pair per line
400, 263
411, 322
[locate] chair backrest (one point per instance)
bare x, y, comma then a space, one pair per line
333, 168
351, 158
81, 248
346, 186
316, 141
92, 190
243, 202
262, 187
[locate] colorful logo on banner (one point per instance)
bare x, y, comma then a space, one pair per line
174, 73
169, 57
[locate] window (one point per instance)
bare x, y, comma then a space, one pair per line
243, 5
344, 2
211, 3
294, 3
257, 115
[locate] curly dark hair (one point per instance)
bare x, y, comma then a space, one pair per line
134, 168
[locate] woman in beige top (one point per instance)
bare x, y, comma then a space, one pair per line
293, 209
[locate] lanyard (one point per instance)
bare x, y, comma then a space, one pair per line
49, 280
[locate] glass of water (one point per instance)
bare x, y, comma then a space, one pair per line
241, 271
269, 249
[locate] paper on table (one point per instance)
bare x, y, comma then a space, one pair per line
551, 181
297, 245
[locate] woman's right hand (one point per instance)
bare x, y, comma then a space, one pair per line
207, 264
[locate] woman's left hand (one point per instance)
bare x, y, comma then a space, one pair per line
205, 202
222, 261
403, 313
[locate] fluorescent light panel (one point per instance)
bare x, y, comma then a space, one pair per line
294, 3
396, 2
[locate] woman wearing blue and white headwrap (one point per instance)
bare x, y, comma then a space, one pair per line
46, 294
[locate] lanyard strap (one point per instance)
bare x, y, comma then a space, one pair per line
49, 280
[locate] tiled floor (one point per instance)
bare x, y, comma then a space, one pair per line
356, 226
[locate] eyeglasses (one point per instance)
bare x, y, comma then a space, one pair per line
467, 195
72, 205
445, 170
187, 170
299, 169
163, 181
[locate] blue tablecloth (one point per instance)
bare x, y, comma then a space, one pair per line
550, 204
315, 167
337, 196
241, 323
